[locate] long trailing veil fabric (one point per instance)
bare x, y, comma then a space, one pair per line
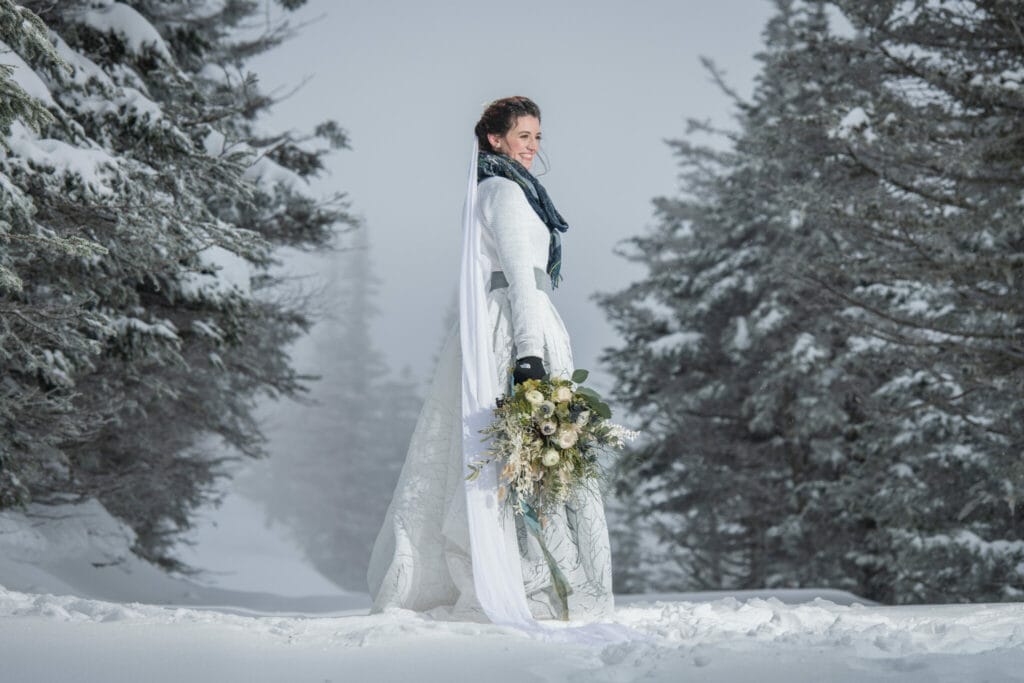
497, 575
497, 569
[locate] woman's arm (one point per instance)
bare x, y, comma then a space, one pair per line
512, 221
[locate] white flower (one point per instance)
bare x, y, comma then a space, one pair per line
583, 418
548, 427
546, 409
566, 438
534, 397
550, 457
562, 394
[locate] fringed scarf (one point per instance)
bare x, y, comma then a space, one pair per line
490, 165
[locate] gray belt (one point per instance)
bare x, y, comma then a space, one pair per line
543, 280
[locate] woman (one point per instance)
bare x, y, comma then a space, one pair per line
446, 545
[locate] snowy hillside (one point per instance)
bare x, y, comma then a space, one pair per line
53, 627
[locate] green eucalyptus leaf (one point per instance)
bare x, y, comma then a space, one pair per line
580, 375
592, 398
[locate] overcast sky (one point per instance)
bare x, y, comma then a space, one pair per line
408, 80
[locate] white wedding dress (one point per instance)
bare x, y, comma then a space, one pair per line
422, 560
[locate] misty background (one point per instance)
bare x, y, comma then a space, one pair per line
408, 82
230, 241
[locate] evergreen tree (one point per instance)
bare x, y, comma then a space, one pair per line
133, 354
29, 414
824, 347
932, 149
730, 358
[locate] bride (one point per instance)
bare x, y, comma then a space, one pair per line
447, 546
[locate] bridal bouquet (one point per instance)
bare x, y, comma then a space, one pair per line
547, 435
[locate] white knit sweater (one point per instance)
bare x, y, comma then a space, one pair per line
516, 241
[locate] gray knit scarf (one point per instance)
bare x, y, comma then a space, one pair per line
490, 165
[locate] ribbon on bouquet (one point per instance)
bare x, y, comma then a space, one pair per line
558, 580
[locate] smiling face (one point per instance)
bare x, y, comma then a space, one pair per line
521, 142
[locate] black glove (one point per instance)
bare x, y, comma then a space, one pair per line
528, 367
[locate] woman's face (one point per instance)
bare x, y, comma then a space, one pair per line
521, 142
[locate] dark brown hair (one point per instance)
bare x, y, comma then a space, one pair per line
500, 117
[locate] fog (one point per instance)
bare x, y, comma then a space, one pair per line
408, 81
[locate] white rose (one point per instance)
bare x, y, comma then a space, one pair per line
550, 457
534, 397
562, 395
566, 438
548, 427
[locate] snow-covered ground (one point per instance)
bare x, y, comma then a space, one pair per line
81, 550
64, 619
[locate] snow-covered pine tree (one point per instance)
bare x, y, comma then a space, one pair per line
155, 155
883, 165
934, 164
731, 358
37, 338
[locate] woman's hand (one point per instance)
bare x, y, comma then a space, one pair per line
528, 367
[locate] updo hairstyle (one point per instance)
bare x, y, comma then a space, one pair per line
501, 116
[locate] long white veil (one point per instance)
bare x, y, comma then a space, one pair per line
497, 574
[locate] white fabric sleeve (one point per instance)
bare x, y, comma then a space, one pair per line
514, 225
